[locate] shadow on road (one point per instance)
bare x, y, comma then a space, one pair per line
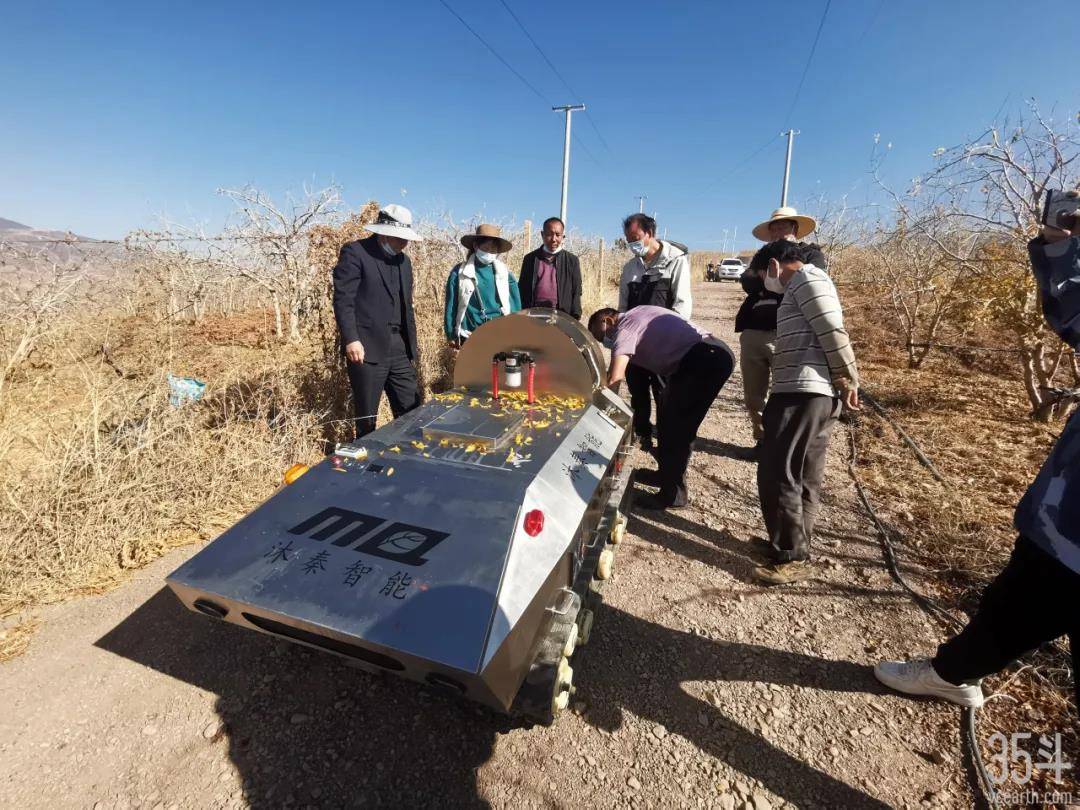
717, 447
642, 667
304, 724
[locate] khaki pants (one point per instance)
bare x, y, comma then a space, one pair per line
756, 348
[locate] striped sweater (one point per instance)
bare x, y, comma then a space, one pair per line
813, 352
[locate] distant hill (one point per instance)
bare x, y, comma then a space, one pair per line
28, 254
13, 231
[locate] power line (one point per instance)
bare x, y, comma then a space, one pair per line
520, 77
554, 70
496, 54
806, 68
742, 163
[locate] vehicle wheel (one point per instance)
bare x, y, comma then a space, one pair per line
585, 623
564, 678
606, 564
571, 641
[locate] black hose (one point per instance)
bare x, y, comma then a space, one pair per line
968, 728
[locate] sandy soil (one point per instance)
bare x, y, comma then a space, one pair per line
699, 688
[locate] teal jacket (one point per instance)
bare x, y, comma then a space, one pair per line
477, 293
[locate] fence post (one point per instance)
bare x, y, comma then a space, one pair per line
528, 235
600, 271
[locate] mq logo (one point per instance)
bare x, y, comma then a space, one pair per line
400, 542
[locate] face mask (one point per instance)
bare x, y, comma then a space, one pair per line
389, 251
483, 257
608, 342
774, 284
552, 252
638, 248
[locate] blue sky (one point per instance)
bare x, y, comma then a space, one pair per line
115, 112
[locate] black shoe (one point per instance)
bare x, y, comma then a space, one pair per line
650, 478
661, 500
763, 547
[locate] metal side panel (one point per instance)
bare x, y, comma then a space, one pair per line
562, 490
409, 561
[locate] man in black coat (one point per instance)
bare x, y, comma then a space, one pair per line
551, 276
373, 305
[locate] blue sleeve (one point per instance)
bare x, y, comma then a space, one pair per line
451, 306
515, 295
1056, 267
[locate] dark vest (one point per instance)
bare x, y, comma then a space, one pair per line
651, 291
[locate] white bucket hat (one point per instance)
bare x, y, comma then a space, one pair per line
395, 220
803, 224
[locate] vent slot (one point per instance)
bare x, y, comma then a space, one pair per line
445, 682
331, 644
211, 609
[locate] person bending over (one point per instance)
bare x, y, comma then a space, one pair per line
694, 367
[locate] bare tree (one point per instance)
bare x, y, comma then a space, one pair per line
273, 249
992, 189
39, 285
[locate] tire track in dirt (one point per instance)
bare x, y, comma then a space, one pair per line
699, 687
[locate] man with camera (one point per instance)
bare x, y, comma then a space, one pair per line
1034, 599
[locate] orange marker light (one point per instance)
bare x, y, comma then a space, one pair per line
295, 471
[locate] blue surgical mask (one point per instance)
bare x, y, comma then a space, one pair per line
389, 251
638, 248
483, 257
608, 342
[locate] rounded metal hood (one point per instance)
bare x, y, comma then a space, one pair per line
569, 361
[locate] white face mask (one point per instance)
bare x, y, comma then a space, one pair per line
552, 251
483, 257
774, 284
638, 248
389, 251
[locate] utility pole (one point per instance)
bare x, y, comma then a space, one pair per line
791, 133
641, 203
734, 236
723, 245
566, 108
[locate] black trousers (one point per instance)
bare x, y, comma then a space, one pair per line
688, 394
643, 386
791, 468
1032, 601
395, 374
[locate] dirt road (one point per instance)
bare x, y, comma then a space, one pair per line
699, 688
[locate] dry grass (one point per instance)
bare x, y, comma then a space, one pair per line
105, 476
966, 413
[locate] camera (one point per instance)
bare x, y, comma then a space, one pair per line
1061, 209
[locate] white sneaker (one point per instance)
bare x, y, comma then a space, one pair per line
919, 678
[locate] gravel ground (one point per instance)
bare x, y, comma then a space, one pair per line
699, 688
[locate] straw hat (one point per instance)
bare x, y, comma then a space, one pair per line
803, 224
395, 220
485, 231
